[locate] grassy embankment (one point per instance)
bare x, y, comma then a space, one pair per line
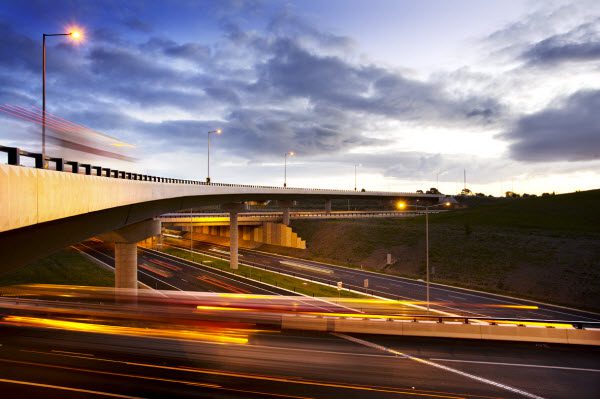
67, 267
545, 248
265, 276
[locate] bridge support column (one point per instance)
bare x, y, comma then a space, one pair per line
233, 239
126, 240
328, 206
286, 205
233, 208
126, 265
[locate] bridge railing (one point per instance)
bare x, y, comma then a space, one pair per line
69, 166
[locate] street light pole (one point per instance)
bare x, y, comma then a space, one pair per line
427, 252
355, 167
291, 154
75, 35
402, 205
218, 131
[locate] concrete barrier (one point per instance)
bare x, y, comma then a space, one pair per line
445, 330
529, 334
584, 337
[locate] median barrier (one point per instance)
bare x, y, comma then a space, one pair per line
444, 330
584, 337
304, 323
529, 334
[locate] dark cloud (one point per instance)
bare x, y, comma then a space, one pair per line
569, 131
289, 88
579, 44
191, 51
295, 71
19, 51
137, 25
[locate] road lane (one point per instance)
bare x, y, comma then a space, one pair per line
448, 299
289, 364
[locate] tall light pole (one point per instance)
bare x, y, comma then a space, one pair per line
217, 131
356, 165
402, 205
75, 35
285, 157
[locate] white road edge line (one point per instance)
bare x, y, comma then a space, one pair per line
518, 365
439, 366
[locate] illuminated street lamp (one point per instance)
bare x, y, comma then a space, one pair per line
402, 205
75, 35
218, 131
290, 154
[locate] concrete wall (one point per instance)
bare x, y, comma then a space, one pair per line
265, 233
446, 330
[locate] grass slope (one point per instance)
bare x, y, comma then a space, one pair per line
64, 267
543, 248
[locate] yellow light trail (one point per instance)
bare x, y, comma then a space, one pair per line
121, 330
531, 323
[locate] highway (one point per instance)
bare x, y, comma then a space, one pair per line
50, 363
445, 299
166, 273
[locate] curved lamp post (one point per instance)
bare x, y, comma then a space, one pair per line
217, 131
287, 154
75, 35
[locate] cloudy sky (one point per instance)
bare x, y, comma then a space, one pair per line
413, 91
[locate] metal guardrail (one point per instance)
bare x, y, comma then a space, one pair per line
62, 165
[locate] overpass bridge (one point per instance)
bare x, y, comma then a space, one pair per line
44, 210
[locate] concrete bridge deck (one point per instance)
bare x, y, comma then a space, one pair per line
43, 210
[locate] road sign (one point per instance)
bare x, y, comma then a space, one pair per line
366, 283
339, 285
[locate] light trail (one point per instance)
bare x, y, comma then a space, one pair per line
288, 380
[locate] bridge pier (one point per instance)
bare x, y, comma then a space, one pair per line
328, 206
126, 240
285, 206
233, 208
126, 265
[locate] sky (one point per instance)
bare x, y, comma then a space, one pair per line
414, 92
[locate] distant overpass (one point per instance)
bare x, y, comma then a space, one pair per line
250, 217
43, 210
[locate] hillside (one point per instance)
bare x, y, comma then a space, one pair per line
544, 248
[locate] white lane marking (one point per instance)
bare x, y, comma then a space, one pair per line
35, 384
518, 365
439, 366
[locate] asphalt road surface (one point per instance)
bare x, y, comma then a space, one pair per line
37, 362
446, 299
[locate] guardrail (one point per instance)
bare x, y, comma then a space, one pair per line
62, 165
